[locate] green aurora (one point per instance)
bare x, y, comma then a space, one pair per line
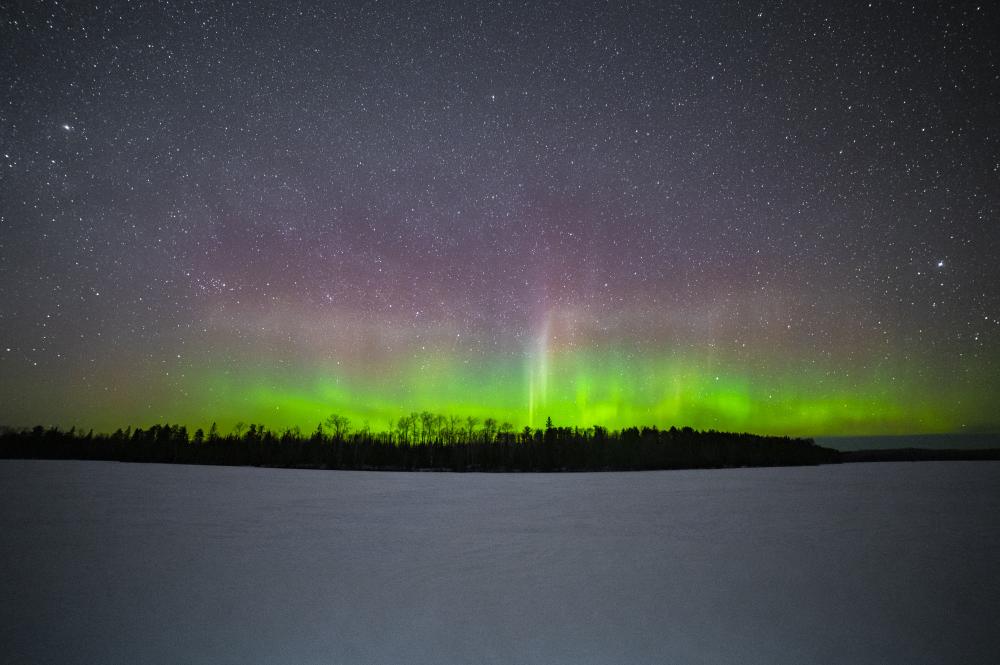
293, 368
663, 394
574, 388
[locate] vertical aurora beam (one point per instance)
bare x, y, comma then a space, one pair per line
537, 369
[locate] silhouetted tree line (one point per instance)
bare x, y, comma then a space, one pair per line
423, 442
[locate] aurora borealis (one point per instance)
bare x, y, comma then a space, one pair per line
779, 218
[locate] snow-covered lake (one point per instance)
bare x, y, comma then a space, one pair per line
868, 563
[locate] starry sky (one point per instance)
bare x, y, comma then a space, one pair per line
771, 217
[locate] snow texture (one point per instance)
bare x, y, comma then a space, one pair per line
865, 563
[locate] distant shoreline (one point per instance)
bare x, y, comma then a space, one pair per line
919, 455
951, 441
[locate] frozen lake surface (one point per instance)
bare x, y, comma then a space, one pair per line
105, 562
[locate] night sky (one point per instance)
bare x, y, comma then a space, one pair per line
768, 217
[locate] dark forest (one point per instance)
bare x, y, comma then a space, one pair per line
456, 445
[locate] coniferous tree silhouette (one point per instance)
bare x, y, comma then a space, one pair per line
424, 441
